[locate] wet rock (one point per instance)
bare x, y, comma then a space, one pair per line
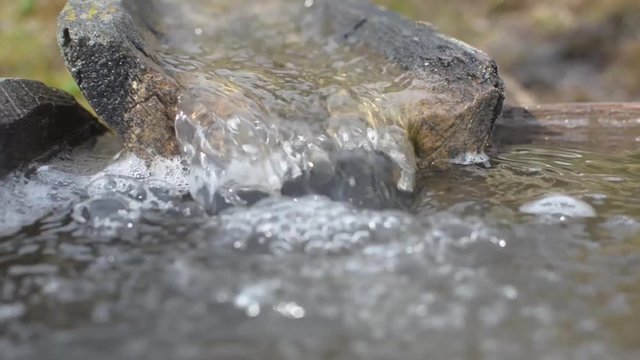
34, 119
119, 50
463, 94
365, 179
111, 52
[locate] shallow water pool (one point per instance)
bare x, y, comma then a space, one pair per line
535, 255
531, 254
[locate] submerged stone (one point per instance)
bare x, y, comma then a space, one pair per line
34, 119
126, 57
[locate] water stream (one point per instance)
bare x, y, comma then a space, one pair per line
270, 99
535, 257
227, 254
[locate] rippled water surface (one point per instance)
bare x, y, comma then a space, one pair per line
228, 254
535, 257
269, 96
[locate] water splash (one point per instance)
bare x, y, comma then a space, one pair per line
105, 186
309, 276
261, 111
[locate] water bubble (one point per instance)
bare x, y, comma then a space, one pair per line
11, 311
305, 225
559, 204
38, 269
290, 310
470, 158
98, 209
614, 179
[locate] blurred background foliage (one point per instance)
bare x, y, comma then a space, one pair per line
28, 45
547, 50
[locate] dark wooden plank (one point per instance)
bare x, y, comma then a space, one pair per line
604, 127
35, 119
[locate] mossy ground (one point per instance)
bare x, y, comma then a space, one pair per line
549, 50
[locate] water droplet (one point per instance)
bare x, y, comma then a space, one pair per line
253, 310
291, 310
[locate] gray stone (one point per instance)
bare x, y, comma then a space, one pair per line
466, 93
113, 48
112, 54
35, 119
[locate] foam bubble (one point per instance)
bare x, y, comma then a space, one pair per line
25, 199
312, 224
102, 173
559, 204
470, 158
11, 311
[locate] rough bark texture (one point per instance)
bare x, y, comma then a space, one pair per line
110, 46
34, 119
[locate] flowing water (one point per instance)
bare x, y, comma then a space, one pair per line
270, 97
227, 254
535, 257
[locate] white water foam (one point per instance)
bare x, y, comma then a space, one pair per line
251, 152
559, 204
471, 158
96, 179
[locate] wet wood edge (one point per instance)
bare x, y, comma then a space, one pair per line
607, 127
37, 122
603, 114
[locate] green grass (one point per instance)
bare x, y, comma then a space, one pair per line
27, 7
29, 49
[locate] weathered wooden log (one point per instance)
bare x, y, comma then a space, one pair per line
35, 118
118, 51
610, 114
609, 127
